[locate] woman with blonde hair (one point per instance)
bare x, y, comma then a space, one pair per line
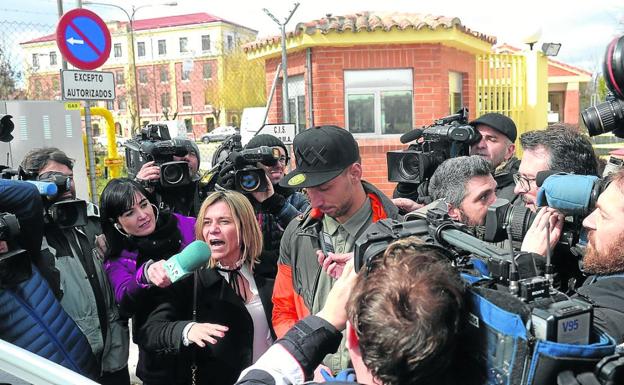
218, 321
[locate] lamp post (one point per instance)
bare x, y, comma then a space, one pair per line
131, 52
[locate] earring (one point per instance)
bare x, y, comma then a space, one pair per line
157, 212
120, 230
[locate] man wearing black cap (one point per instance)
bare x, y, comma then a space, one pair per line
498, 134
277, 206
343, 206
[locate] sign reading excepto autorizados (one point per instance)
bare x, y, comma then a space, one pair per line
88, 85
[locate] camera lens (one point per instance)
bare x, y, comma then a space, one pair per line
604, 117
519, 219
249, 182
172, 173
409, 167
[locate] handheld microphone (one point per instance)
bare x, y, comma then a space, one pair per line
45, 188
411, 135
195, 255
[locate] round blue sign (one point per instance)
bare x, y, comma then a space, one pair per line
83, 39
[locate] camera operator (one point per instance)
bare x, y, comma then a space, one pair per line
604, 259
86, 292
185, 200
343, 206
496, 146
277, 206
415, 339
498, 134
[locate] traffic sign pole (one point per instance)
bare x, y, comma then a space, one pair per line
88, 129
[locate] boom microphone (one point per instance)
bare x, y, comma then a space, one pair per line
194, 256
411, 135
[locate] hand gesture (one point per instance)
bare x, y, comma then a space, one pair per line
201, 333
333, 263
535, 238
157, 274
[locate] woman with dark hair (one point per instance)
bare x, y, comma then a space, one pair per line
218, 322
140, 239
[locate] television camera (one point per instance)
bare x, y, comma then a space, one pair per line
447, 137
154, 143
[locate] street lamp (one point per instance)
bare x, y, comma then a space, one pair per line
131, 31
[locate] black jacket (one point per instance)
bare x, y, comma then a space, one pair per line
505, 184
216, 303
606, 294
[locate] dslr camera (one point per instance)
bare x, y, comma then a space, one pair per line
447, 137
154, 144
609, 115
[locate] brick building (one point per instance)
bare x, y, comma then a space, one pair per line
376, 75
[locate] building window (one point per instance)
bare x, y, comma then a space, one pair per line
117, 49
186, 99
183, 44
165, 100
379, 101
144, 101
121, 103
230, 42
141, 48
205, 42
164, 75
162, 47
296, 102
207, 70
456, 101
142, 76
189, 125
53, 58
185, 74
35, 60
110, 105
119, 78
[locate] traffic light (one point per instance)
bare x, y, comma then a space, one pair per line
6, 127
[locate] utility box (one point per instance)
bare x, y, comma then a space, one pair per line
46, 124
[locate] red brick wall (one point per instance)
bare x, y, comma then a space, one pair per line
571, 107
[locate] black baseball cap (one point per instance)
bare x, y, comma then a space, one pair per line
499, 122
321, 154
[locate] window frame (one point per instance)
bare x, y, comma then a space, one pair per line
164, 47
140, 49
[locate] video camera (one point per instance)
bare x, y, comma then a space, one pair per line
247, 177
154, 144
609, 115
447, 137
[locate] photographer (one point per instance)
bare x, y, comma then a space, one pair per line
413, 340
604, 259
186, 199
277, 206
86, 293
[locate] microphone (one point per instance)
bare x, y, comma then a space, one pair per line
45, 188
411, 135
195, 255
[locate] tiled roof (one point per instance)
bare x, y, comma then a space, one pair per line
158, 22
372, 21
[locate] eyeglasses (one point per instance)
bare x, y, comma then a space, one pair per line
283, 159
523, 181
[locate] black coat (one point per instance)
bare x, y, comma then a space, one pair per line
607, 297
217, 303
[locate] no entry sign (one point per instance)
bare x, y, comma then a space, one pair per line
83, 39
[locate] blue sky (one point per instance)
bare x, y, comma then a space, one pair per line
583, 27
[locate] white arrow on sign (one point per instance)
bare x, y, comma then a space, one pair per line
73, 41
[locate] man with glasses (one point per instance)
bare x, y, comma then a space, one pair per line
558, 148
277, 206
